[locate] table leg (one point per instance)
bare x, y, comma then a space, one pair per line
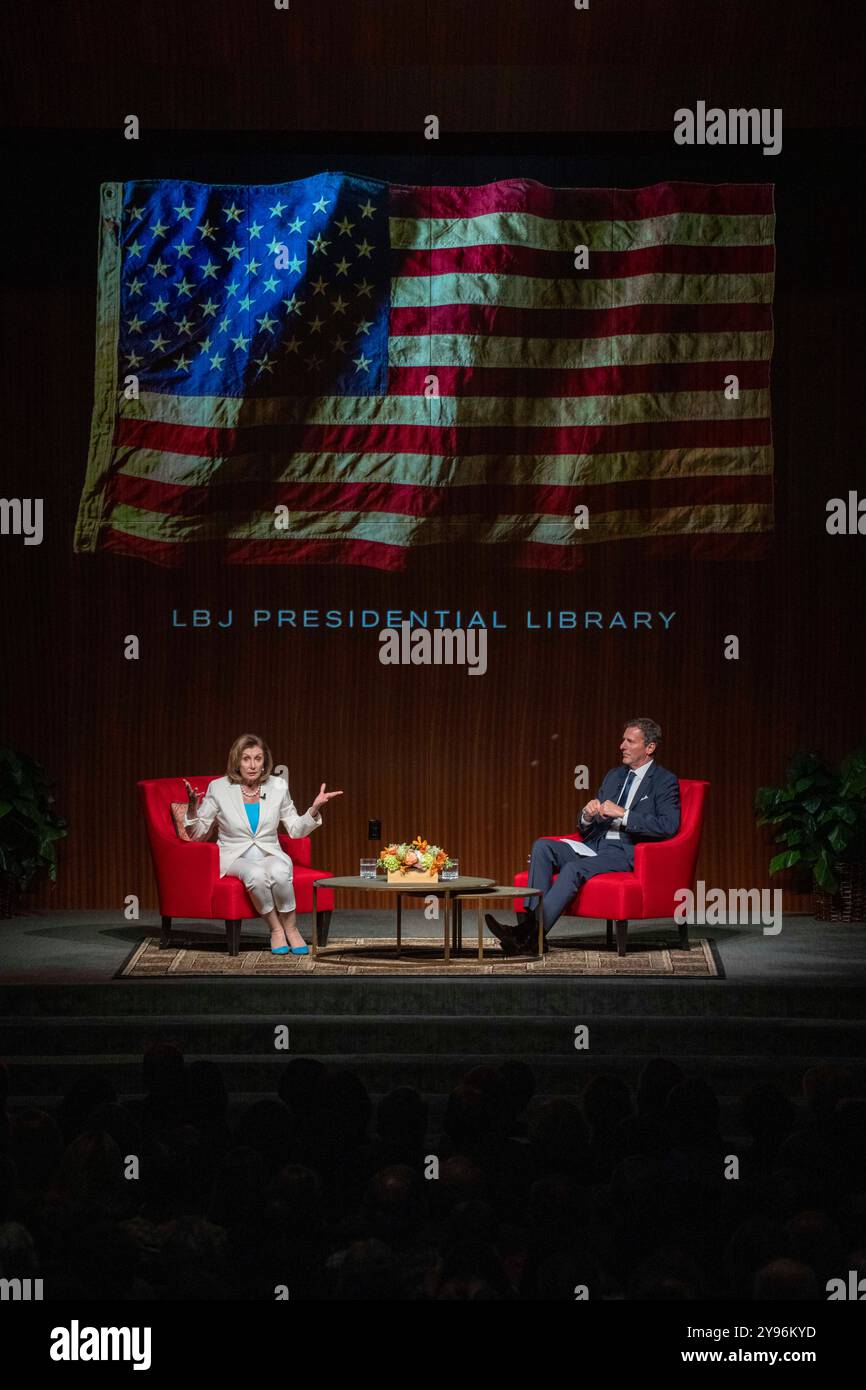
457, 929
399, 922
480, 917
540, 912
315, 943
446, 929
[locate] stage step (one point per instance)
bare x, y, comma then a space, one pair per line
519, 997
529, 1036
428, 1033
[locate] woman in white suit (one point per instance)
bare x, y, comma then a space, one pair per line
249, 804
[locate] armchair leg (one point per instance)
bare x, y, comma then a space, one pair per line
323, 926
165, 936
684, 936
233, 936
610, 933
621, 935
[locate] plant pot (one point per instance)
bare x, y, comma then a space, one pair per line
849, 903
412, 877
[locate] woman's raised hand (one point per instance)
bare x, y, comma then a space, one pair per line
323, 798
192, 797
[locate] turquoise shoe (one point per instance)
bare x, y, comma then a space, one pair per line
300, 950
279, 950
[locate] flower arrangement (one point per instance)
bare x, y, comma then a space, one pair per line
418, 857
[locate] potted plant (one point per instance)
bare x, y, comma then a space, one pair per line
28, 827
820, 814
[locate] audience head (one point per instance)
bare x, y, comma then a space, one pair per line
83, 1096
401, 1117
301, 1084
393, 1204
606, 1101
369, 1271
823, 1086
656, 1081
785, 1280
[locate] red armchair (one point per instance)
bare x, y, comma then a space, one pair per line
187, 871
660, 868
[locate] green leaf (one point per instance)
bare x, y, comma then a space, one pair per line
824, 875
839, 839
793, 837
785, 860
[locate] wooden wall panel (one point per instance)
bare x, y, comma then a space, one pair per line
483, 764
371, 65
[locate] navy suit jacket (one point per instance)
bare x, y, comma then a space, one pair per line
654, 813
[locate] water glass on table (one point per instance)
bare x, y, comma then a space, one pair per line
451, 870
368, 868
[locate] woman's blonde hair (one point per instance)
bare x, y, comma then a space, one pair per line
234, 761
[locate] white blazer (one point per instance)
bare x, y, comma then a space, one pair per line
224, 803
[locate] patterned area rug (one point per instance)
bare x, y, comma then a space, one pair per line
364, 955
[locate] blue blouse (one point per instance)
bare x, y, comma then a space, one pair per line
253, 809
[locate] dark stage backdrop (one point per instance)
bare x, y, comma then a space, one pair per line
481, 764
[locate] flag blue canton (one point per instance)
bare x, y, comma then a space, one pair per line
281, 289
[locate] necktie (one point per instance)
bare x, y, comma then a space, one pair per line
627, 786
623, 797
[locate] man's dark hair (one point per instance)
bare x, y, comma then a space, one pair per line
648, 727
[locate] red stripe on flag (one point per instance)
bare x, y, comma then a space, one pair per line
432, 439
487, 500
370, 554
506, 322
740, 546
582, 204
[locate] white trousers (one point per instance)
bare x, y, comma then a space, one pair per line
267, 878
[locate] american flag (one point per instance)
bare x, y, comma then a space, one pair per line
339, 370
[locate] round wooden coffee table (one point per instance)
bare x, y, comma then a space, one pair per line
450, 890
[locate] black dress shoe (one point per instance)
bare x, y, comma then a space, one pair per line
508, 937
500, 930
528, 943
510, 946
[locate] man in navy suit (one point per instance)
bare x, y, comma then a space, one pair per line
639, 800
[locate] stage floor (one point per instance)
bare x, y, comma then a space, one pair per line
89, 947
